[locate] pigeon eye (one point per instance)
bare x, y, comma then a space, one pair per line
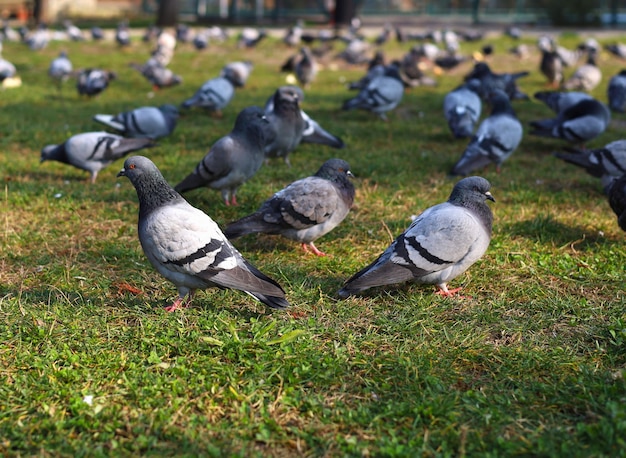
131, 166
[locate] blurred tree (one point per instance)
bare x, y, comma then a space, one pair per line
167, 14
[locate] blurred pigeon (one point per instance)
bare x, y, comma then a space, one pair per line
521, 50
97, 34
286, 124
374, 72
183, 33
355, 52
8, 33
233, 159
159, 76
305, 210
92, 81
148, 122
39, 38
514, 32
306, 67
616, 92
607, 163
496, 139
214, 95
294, 34
569, 57
237, 72
250, 38
122, 34
73, 32
201, 39
93, 151
438, 246
377, 60
578, 123
410, 69
617, 49
551, 64
590, 45
491, 81
559, 101
151, 34
7, 69
384, 36
381, 95
186, 246
617, 200
586, 77
60, 68
313, 132
462, 107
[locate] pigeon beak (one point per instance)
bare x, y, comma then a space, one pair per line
489, 196
121, 173
350, 174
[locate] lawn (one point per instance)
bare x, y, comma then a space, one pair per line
530, 361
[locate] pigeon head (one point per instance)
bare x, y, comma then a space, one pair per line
152, 190
288, 94
169, 110
251, 120
334, 168
471, 190
53, 153
500, 102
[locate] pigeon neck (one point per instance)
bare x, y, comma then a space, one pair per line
154, 192
479, 208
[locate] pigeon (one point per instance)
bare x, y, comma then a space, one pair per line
578, 123
355, 52
373, 72
381, 95
306, 67
73, 32
491, 81
514, 32
186, 246
39, 38
450, 60
384, 35
617, 49
159, 76
233, 159
183, 33
286, 124
93, 151
146, 122
60, 68
410, 69
586, 77
521, 50
92, 81
294, 34
237, 72
569, 57
607, 163
201, 39
7, 69
551, 64
214, 95
97, 34
250, 38
616, 92
151, 34
617, 200
462, 108
438, 246
496, 139
122, 34
313, 132
305, 210
559, 101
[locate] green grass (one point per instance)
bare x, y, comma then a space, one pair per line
531, 362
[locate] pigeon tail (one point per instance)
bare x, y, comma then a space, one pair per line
192, 181
249, 225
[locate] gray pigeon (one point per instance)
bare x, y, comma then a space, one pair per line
607, 163
305, 210
60, 68
286, 124
586, 77
381, 95
462, 107
93, 151
186, 246
616, 92
157, 74
313, 132
214, 95
92, 81
559, 101
617, 49
306, 67
438, 246
617, 200
491, 81
496, 139
237, 72
7, 69
551, 64
578, 123
149, 122
233, 159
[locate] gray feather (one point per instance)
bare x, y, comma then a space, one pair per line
149, 122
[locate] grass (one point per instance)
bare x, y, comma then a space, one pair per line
531, 362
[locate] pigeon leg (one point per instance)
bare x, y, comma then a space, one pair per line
180, 303
313, 249
445, 292
233, 200
93, 177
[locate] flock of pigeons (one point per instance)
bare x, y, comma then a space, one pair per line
189, 249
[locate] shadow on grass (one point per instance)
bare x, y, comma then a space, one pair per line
545, 229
